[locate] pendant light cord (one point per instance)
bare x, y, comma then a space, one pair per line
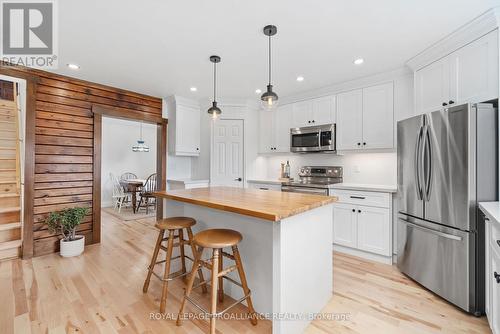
215, 79
269, 60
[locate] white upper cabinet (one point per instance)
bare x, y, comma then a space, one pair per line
470, 74
365, 118
350, 120
281, 128
474, 71
266, 139
302, 114
378, 116
432, 86
317, 111
183, 126
323, 110
274, 130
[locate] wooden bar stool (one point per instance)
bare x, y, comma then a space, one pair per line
217, 239
172, 225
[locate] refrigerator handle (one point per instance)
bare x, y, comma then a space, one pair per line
417, 160
427, 163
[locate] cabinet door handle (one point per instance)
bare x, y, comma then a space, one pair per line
197, 148
314, 121
444, 104
358, 197
359, 211
497, 277
498, 243
238, 179
451, 102
364, 143
309, 122
359, 144
353, 210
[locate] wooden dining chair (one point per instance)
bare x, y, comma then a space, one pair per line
147, 192
119, 195
128, 176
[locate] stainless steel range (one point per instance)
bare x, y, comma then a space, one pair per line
314, 180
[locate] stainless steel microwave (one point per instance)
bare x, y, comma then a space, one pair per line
320, 138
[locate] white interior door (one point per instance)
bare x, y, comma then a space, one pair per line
227, 153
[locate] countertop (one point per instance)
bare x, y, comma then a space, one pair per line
345, 185
187, 181
365, 187
268, 205
492, 209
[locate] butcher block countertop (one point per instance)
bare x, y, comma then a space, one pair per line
268, 205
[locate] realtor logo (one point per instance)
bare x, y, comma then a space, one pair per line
29, 33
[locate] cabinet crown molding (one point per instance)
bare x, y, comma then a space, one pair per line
480, 26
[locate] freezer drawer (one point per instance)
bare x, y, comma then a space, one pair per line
436, 257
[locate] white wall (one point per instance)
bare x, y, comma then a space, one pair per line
230, 110
118, 137
368, 168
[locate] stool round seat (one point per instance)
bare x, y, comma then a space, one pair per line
217, 238
175, 223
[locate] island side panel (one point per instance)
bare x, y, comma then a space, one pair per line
256, 249
303, 267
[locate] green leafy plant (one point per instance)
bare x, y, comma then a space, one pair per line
66, 221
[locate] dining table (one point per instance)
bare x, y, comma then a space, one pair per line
133, 186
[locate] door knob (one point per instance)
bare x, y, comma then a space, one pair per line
238, 179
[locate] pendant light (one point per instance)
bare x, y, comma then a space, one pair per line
214, 110
140, 147
269, 98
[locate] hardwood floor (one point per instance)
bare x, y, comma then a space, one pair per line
101, 292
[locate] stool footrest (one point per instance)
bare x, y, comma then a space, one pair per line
170, 277
217, 314
227, 271
230, 256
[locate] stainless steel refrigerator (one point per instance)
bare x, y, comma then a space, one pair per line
447, 163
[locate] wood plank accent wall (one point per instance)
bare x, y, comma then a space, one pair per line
65, 138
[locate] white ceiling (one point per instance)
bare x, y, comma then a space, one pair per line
161, 47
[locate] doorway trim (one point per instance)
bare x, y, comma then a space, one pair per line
161, 157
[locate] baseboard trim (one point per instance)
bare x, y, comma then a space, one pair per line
363, 254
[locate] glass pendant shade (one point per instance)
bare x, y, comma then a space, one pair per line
141, 146
214, 110
269, 99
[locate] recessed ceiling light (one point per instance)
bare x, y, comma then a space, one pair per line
74, 66
300, 78
193, 89
258, 91
359, 61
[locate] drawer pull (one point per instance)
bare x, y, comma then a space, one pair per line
498, 243
358, 197
264, 188
497, 277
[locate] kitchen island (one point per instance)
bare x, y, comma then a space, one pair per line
286, 247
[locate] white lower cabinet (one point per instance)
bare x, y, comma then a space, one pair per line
363, 229
344, 226
374, 232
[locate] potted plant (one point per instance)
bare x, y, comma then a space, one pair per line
65, 222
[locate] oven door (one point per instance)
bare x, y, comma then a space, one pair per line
305, 139
305, 190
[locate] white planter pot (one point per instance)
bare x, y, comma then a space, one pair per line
72, 248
